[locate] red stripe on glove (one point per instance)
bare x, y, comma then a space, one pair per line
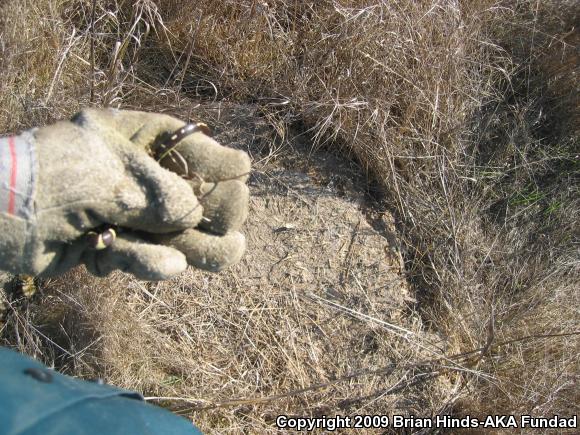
13, 174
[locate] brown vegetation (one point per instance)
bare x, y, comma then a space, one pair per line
464, 118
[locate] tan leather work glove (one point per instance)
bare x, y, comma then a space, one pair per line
100, 168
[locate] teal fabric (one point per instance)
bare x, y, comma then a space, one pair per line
35, 400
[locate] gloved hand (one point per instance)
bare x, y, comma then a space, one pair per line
61, 181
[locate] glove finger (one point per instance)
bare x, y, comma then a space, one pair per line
204, 156
129, 123
225, 206
131, 254
152, 198
197, 155
206, 251
143, 128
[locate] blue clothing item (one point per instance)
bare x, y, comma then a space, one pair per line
35, 400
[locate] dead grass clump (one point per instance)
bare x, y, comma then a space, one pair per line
465, 114
59, 56
525, 170
40, 64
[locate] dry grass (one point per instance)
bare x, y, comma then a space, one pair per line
464, 116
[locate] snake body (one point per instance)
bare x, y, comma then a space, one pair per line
103, 239
181, 133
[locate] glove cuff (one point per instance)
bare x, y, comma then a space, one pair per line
18, 178
18, 174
